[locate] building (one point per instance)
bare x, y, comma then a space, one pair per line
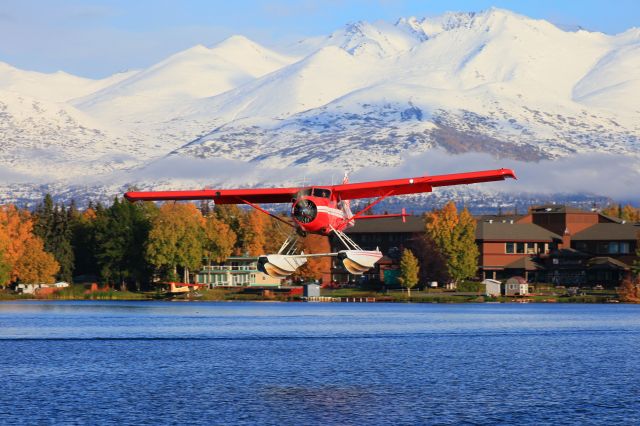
236, 271
311, 290
559, 245
493, 288
516, 286
23, 288
508, 247
551, 244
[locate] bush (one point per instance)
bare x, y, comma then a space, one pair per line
471, 287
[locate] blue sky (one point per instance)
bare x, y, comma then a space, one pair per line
95, 38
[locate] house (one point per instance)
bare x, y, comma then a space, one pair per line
236, 271
516, 286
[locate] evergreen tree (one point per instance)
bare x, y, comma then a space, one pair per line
120, 233
433, 265
408, 271
84, 243
53, 227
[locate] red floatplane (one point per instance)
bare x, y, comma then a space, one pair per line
324, 210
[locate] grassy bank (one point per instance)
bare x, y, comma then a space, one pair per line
79, 292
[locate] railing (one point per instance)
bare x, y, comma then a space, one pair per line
217, 268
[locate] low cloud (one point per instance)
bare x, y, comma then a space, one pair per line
614, 176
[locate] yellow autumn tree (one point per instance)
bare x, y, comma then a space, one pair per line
175, 239
454, 236
409, 268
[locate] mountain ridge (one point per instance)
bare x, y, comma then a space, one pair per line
370, 94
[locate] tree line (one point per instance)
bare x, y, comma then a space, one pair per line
127, 244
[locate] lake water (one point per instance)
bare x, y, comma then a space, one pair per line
304, 363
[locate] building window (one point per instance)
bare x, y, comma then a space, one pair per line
614, 247
531, 248
581, 246
520, 248
510, 248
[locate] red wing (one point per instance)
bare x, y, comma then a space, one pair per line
416, 185
220, 196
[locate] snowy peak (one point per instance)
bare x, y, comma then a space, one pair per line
57, 87
369, 94
194, 73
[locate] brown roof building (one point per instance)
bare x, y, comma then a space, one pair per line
552, 244
558, 244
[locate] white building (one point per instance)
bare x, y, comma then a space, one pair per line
493, 288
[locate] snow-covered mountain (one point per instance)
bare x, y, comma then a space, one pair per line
367, 96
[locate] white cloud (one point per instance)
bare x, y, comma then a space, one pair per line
614, 176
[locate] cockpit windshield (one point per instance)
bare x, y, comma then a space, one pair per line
321, 192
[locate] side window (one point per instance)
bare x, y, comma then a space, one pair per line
510, 248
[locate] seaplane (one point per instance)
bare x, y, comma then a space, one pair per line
324, 210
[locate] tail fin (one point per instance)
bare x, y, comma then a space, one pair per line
345, 205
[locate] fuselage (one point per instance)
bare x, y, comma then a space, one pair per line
316, 210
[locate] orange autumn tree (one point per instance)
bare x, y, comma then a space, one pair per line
219, 239
629, 290
315, 267
22, 252
254, 233
36, 265
628, 212
275, 234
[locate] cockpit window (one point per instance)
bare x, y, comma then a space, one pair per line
321, 192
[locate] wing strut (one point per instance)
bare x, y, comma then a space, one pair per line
369, 206
257, 207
